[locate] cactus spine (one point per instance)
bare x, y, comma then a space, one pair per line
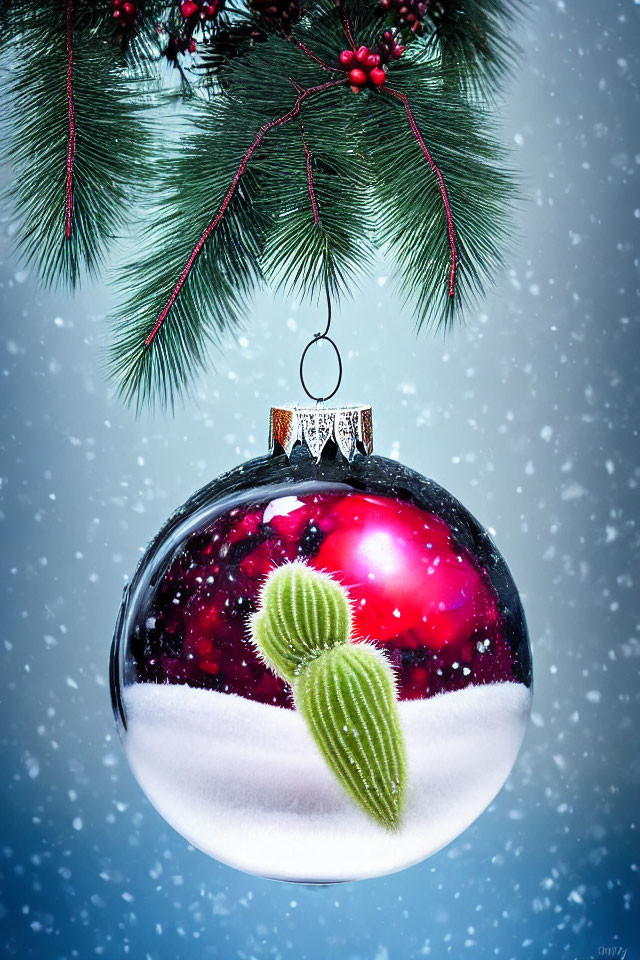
345, 691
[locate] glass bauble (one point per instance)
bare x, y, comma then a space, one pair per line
211, 732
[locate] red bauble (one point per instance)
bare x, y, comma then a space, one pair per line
217, 738
405, 575
417, 593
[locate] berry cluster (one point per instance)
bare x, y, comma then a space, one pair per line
388, 47
410, 13
199, 12
366, 66
277, 14
194, 15
124, 13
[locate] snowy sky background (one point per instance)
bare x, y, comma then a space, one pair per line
529, 415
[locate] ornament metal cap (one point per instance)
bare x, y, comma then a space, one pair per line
350, 427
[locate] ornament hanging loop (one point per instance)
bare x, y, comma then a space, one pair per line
324, 335
318, 337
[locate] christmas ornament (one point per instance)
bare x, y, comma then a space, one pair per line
321, 668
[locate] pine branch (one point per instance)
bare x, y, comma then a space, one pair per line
150, 359
279, 172
414, 220
187, 288
246, 196
140, 46
77, 145
322, 233
476, 42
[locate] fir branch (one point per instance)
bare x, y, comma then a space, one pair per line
192, 185
78, 146
213, 298
186, 296
409, 166
205, 295
413, 219
71, 148
444, 193
326, 243
161, 337
269, 125
475, 39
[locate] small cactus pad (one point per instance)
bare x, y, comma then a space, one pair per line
347, 697
345, 691
303, 612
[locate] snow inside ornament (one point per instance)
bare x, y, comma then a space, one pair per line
321, 669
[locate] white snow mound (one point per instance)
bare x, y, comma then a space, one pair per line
245, 783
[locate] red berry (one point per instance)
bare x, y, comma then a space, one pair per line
188, 9
129, 9
358, 77
373, 60
377, 76
117, 14
347, 57
362, 55
117, 3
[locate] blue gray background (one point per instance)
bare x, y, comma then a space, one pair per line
529, 415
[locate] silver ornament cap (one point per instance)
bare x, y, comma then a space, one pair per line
350, 427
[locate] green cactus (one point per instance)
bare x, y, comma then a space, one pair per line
345, 691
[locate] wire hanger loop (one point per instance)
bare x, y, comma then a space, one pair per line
324, 335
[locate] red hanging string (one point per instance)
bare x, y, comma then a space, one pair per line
285, 118
72, 122
443, 187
